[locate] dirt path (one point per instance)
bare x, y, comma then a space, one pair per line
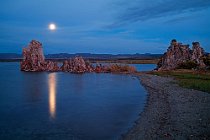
171, 112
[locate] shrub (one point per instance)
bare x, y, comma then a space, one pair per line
122, 68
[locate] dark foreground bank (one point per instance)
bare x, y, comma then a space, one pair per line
171, 112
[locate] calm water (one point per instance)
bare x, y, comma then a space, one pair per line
67, 106
144, 67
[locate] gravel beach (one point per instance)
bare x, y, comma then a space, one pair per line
171, 112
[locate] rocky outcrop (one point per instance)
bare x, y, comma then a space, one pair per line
76, 65
197, 54
33, 60
51, 66
178, 54
102, 68
33, 57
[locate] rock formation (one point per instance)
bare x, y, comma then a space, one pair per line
76, 65
51, 66
33, 60
33, 57
102, 68
197, 54
178, 54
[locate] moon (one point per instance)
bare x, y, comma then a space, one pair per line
52, 26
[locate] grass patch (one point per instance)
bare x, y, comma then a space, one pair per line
190, 79
198, 84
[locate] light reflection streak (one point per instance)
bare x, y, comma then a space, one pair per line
52, 94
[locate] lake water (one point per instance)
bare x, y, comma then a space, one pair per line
144, 67
61, 105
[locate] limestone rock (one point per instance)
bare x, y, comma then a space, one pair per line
52, 66
178, 54
102, 68
66, 66
79, 65
76, 65
33, 60
33, 57
197, 54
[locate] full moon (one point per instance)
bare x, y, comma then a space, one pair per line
52, 26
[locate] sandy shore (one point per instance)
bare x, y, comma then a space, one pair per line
171, 112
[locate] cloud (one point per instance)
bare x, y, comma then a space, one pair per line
142, 10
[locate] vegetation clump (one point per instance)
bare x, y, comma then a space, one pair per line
198, 80
122, 68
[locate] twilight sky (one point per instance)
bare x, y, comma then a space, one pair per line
103, 26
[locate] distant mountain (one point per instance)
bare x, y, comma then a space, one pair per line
10, 56
14, 56
104, 56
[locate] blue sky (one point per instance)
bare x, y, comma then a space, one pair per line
103, 26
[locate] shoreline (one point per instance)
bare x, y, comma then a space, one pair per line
171, 112
121, 61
